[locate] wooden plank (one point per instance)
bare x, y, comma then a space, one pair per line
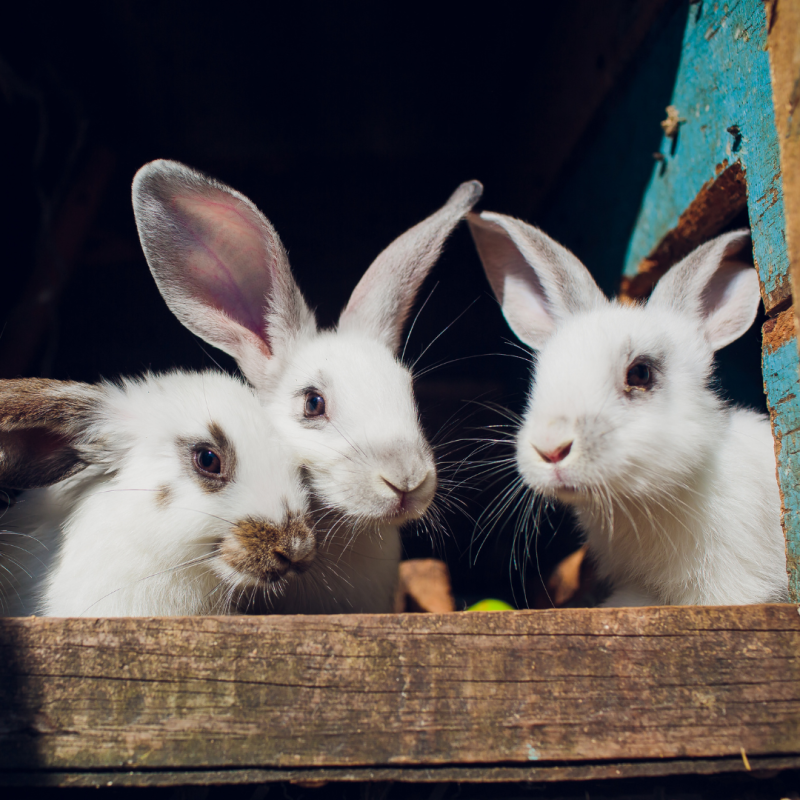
547, 773
780, 368
784, 51
525, 688
723, 99
719, 202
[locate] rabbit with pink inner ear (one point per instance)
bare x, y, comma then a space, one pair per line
340, 398
674, 490
169, 494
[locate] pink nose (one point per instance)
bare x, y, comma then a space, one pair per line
554, 456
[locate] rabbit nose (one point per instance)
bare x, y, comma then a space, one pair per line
405, 486
555, 455
392, 486
296, 547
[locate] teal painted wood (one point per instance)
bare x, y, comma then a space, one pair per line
781, 387
723, 80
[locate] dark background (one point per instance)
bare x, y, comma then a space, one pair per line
345, 127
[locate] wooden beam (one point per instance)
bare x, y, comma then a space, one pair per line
313, 777
723, 101
779, 367
784, 50
719, 201
532, 689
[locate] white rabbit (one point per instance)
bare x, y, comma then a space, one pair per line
674, 490
175, 497
340, 397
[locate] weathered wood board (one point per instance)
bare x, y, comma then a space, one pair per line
311, 777
717, 204
783, 23
723, 98
526, 688
779, 366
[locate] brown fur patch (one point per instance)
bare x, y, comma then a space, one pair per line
163, 496
266, 551
40, 423
64, 406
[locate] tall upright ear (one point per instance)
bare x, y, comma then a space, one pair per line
42, 425
537, 282
382, 300
716, 284
218, 263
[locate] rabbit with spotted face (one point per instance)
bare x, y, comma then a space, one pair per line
341, 398
172, 495
675, 491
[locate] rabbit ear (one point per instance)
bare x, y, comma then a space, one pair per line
715, 284
382, 300
218, 263
537, 282
41, 424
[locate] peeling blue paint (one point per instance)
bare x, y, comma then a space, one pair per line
723, 80
783, 395
533, 753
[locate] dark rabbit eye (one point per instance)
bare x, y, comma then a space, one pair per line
640, 376
315, 405
208, 461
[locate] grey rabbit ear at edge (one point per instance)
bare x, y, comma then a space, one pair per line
716, 285
218, 263
382, 301
537, 281
42, 423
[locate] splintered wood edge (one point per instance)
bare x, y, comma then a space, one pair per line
758, 767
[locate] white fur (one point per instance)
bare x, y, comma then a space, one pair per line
223, 271
675, 492
107, 543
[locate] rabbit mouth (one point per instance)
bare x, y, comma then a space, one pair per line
567, 491
407, 509
562, 490
262, 553
269, 578
266, 577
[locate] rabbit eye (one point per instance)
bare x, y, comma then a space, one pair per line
207, 461
640, 376
315, 405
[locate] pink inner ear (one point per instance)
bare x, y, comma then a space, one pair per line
230, 256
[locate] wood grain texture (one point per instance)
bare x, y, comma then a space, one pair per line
535, 688
544, 773
717, 203
723, 82
784, 51
780, 370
